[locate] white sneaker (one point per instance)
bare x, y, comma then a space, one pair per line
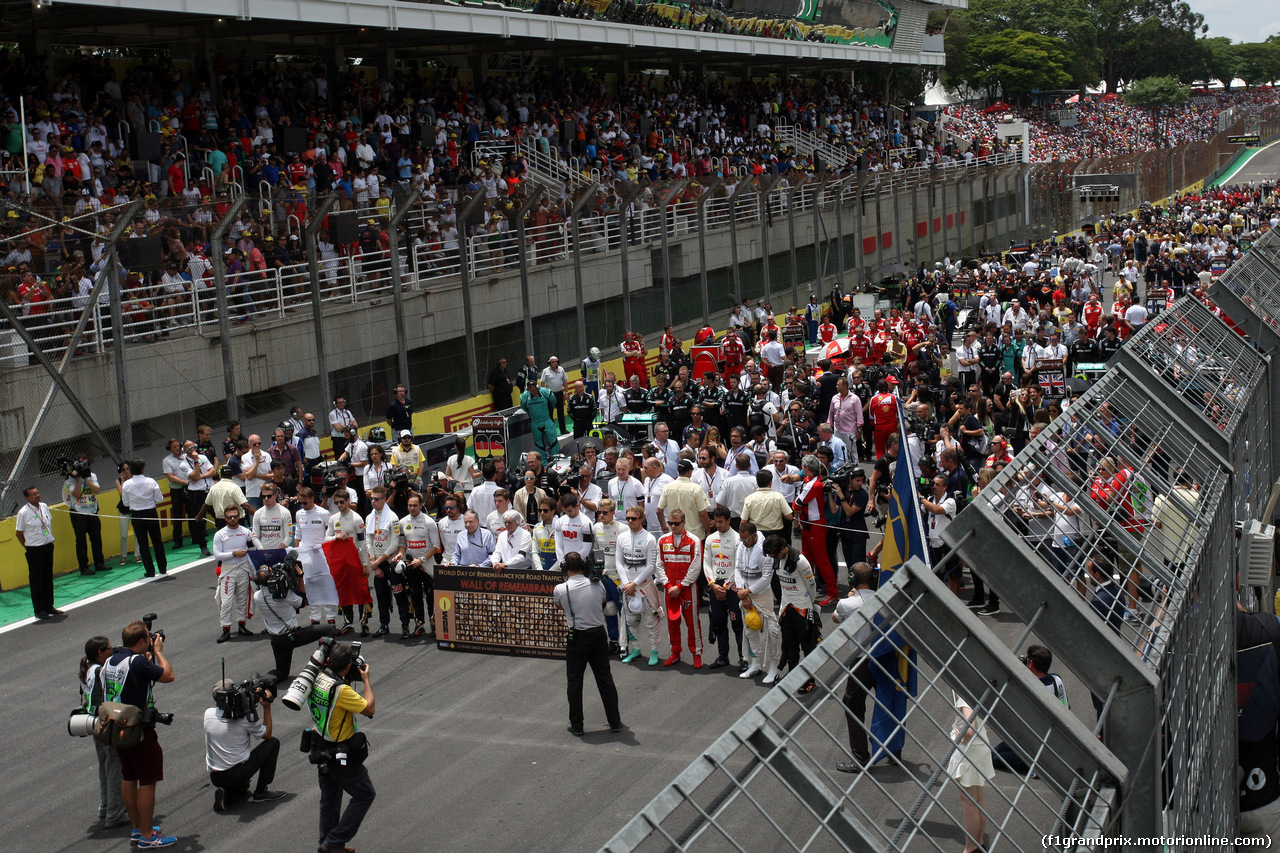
752, 671
771, 676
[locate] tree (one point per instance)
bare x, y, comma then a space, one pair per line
1016, 62
1218, 60
1069, 20
1159, 96
1134, 37
1258, 63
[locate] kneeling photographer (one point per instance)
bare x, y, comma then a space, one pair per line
279, 598
335, 745
229, 729
127, 679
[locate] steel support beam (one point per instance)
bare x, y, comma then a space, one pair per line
664, 202
467, 209
575, 213
310, 233
713, 187
219, 263
397, 286
534, 197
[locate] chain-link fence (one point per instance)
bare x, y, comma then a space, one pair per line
773, 781
1111, 537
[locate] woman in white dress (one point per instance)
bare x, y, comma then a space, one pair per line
970, 767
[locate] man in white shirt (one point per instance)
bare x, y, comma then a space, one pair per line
708, 476
774, 357
514, 547
481, 501
231, 546
34, 529
141, 494
451, 526
229, 759
1017, 316
625, 490
736, 488
554, 378
1136, 315
862, 682
655, 480
255, 469
339, 419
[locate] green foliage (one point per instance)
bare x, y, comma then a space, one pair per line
1016, 62
1258, 63
1218, 60
1159, 96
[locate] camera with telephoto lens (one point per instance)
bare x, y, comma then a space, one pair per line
841, 476
73, 468
334, 481
300, 689
81, 723
240, 701
281, 578
147, 620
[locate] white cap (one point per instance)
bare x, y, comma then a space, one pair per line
405, 432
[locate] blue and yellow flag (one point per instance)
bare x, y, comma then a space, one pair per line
896, 671
903, 530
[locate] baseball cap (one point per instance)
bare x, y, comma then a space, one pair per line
892, 380
405, 432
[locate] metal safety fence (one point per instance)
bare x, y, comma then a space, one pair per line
1111, 538
771, 781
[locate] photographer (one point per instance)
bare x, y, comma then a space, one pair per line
127, 677
228, 756
582, 599
80, 494
335, 704
279, 598
111, 809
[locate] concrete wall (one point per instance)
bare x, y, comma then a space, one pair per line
184, 372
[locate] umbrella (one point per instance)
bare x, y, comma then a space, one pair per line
1074, 99
997, 107
1110, 96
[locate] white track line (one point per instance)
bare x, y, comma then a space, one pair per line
202, 562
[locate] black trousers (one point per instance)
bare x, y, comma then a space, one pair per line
40, 577
261, 761
723, 615
339, 445
337, 827
581, 428
797, 633
383, 591
861, 684
88, 533
195, 515
146, 529
414, 590
178, 497
559, 395
853, 545
590, 648
282, 646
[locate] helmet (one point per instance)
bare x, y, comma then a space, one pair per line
377, 434
751, 618
595, 353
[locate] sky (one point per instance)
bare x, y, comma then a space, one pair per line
1239, 20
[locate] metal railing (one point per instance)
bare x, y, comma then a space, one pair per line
770, 783
1110, 537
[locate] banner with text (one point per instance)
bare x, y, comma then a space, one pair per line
501, 613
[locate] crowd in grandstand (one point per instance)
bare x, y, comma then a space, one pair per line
1106, 126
